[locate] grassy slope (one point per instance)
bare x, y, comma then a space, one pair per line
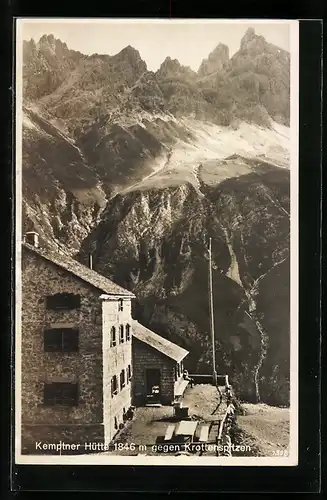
264, 428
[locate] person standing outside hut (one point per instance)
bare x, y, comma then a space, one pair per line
186, 376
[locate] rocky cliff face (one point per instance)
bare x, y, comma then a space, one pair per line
253, 85
62, 196
141, 168
217, 61
46, 65
263, 71
171, 68
157, 241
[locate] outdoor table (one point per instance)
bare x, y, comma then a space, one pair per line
186, 428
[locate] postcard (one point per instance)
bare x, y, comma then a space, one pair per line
156, 317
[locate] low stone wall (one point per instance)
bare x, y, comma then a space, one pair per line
201, 378
223, 439
204, 378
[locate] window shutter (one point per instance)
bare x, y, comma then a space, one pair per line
63, 301
122, 379
121, 334
113, 386
128, 332
113, 336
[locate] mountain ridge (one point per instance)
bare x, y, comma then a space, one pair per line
129, 63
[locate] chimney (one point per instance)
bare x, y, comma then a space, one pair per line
32, 238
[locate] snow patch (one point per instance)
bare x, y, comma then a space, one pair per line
214, 142
27, 122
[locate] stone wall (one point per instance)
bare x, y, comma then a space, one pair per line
145, 357
92, 366
223, 440
39, 279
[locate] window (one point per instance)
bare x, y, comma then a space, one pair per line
128, 332
63, 394
114, 387
120, 305
129, 373
176, 375
63, 301
122, 379
61, 340
116, 423
96, 317
112, 336
121, 334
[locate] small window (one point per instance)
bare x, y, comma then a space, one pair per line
122, 379
112, 336
120, 305
63, 301
129, 373
121, 334
114, 387
128, 332
61, 340
96, 317
60, 394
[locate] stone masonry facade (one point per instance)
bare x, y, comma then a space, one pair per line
97, 415
145, 357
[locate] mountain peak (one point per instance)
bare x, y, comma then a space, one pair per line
253, 42
52, 45
46, 38
169, 60
216, 61
249, 35
132, 57
130, 52
254, 45
172, 67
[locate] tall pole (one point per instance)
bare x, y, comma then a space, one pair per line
212, 320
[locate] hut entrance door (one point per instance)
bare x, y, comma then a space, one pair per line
153, 380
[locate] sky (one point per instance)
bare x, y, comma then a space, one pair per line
189, 41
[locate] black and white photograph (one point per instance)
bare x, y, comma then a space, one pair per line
156, 242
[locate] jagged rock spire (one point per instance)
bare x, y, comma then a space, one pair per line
216, 61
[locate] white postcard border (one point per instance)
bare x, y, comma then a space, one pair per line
292, 459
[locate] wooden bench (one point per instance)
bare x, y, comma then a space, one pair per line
169, 432
204, 433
